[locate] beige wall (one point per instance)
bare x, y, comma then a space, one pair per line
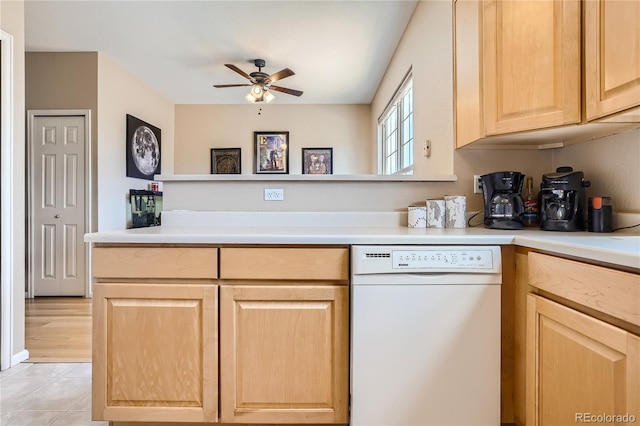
89, 80
64, 80
119, 94
611, 164
12, 22
351, 196
345, 128
427, 49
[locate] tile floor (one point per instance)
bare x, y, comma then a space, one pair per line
42, 394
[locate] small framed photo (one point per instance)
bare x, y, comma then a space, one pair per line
226, 161
271, 152
317, 161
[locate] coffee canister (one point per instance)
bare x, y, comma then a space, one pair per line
599, 214
417, 216
455, 207
435, 214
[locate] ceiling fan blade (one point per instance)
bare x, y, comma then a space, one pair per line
280, 75
238, 70
231, 85
285, 90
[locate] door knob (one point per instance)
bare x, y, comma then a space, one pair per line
57, 216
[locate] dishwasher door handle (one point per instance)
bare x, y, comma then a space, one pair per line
426, 279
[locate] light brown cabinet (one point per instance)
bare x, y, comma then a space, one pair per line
282, 314
582, 346
519, 303
285, 354
578, 366
612, 58
155, 340
531, 64
284, 335
519, 70
517, 66
155, 356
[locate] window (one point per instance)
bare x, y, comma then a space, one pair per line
395, 128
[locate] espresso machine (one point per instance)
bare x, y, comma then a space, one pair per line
503, 205
562, 200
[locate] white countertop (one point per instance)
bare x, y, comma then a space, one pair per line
617, 249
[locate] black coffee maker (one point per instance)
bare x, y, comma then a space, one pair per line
562, 200
503, 206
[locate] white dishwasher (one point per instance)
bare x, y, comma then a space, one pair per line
425, 335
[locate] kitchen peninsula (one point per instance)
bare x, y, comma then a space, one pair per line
174, 305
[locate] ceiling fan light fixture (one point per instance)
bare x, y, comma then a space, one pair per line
261, 82
256, 90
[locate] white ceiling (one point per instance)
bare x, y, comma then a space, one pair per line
338, 49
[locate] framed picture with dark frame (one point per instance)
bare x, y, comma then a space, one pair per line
271, 152
143, 149
226, 161
317, 161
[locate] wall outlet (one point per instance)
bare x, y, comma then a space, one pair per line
477, 184
274, 194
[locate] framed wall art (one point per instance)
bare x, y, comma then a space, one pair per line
143, 149
271, 152
317, 161
226, 161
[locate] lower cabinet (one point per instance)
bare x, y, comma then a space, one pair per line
284, 335
282, 315
155, 352
284, 354
582, 343
579, 368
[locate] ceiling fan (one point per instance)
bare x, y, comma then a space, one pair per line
261, 82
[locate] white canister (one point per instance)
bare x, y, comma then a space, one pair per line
455, 211
435, 214
417, 217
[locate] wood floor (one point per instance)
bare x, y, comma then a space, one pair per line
58, 329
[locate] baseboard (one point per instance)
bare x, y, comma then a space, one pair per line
19, 357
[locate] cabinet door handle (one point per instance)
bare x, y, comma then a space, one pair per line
57, 216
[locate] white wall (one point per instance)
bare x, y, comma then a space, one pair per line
345, 128
119, 94
12, 22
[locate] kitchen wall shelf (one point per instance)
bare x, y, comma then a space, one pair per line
303, 178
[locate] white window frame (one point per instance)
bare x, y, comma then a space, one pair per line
401, 165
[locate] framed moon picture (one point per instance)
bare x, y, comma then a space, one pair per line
143, 149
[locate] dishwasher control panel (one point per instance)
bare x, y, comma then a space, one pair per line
442, 259
426, 259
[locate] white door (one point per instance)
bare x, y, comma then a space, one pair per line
58, 200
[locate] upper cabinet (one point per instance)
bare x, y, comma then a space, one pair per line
531, 64
612, 57
519, 70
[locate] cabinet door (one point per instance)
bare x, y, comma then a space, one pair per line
520, 332
467, 75
578, 366
155, 352
612, 56
531, 64
284, 354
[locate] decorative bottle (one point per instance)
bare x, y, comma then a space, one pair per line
530, 216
